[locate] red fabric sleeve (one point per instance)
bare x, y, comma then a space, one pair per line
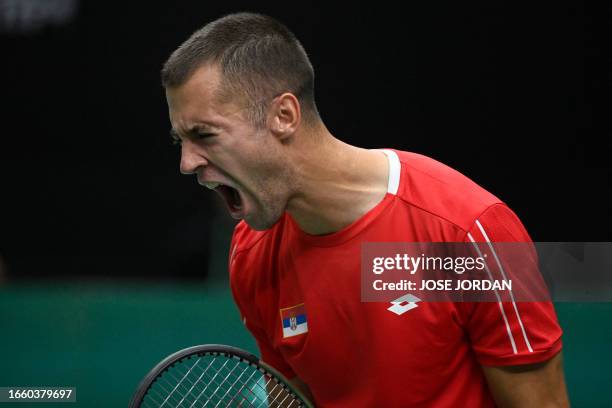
506, 332
269, 355
244, 297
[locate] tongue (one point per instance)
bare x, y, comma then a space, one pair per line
231, 196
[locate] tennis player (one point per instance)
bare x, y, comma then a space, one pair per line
240, 93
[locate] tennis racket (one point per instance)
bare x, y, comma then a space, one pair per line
215, 375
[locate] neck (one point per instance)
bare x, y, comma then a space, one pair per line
335, 183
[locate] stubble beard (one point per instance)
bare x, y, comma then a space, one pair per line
273, 202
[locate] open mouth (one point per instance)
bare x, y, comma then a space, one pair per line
230, 195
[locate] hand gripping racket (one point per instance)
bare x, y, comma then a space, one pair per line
215, 375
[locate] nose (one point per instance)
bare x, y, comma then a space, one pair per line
191, 159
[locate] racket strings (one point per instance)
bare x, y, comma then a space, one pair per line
169, 392
216, 381
181, 393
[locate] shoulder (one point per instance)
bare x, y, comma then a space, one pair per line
441, 191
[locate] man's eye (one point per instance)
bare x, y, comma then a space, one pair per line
205, 135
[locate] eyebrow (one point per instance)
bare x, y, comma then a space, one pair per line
174, 134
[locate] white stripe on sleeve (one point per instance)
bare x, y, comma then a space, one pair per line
499, 303
518, 316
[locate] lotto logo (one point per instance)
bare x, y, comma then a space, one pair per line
403, 304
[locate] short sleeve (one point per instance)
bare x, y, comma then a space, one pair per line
244, 297
506, 333
268, 354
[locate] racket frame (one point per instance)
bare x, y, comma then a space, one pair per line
214, 350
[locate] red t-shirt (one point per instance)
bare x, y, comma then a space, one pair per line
299, 295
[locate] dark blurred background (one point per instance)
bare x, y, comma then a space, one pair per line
516, 96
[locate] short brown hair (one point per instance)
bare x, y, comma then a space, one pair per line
259, 58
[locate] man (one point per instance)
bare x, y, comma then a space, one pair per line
240, 93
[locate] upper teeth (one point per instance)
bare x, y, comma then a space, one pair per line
212, 185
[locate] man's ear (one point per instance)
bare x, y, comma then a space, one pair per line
285, 116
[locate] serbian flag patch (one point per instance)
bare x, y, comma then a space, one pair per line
294, 321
